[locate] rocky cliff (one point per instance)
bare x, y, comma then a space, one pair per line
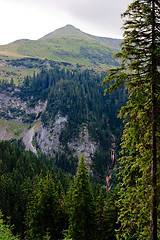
48, 137
18, 109
49, 143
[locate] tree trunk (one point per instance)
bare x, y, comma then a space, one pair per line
154, 173
154, 128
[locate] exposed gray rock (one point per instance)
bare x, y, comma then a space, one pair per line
14, 108
48, 140
48, 137
27, 139
83, 145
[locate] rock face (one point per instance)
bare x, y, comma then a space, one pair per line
27, 139
83, 145
14, 108
48, 140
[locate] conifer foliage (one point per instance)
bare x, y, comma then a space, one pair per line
42, 210
82, 223
5, 230
139, 72
38, 201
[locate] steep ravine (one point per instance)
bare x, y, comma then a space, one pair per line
113, 164
15, 111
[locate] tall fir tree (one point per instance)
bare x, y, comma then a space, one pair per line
42, 210
82, 221
139, 71
106, 215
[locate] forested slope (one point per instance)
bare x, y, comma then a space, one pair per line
76, 97
41, 201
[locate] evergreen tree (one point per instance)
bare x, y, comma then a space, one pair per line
6, 230
106, 215
42, 212
82, 222
140, 143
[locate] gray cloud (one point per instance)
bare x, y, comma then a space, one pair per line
104, 15
93, 11
92, 16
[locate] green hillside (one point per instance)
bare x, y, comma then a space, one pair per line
67, 44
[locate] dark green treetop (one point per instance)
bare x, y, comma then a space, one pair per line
82, 222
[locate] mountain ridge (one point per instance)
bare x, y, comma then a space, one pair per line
71, 30
68, 30
67, 44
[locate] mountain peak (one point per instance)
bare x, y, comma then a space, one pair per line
70, 25
68, 30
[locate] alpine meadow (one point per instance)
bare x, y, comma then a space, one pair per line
80, 133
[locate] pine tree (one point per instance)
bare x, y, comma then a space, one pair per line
140, 142
82, 222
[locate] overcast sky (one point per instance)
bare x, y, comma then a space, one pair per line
32, 19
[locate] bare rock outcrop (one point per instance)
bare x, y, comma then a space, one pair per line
27, 139
83, 145
48, 137
12, 107
49, 143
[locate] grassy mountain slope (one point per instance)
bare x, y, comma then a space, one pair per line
11, 129
67, 44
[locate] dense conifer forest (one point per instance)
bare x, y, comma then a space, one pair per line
42, 197
139, 71
38, 200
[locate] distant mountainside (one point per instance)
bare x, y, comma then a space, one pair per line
67, 44
63, 113
51, 97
